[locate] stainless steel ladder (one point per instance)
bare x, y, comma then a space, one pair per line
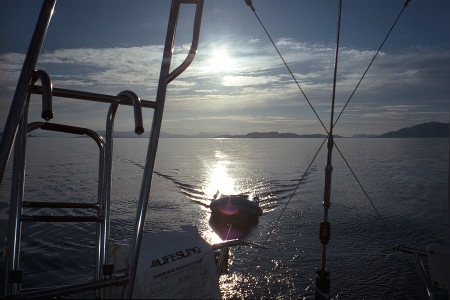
15, 137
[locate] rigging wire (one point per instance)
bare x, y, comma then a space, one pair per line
329, 134
367, 195
249, 3
373, 59
285, 206
345, 106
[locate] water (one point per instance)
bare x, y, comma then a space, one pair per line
406, 179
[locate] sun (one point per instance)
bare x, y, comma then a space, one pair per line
220, 61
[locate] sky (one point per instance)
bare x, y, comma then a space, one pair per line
237, 82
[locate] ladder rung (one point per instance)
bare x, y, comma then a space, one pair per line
66, 93
34, 218
42, 204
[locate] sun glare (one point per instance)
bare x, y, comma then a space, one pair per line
220, 180
219, 61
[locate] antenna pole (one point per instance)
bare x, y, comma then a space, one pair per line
322, 274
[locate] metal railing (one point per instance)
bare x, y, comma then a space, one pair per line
15, 137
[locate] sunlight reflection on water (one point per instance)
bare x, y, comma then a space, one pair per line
219, 178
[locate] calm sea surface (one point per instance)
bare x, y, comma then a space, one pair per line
406, 179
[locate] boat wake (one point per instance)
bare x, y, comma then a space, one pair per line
197, 194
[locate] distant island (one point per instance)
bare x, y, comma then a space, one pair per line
271, 135
425, 130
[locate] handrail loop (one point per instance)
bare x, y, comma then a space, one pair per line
139, 124
47, 91
164, 78
194, 45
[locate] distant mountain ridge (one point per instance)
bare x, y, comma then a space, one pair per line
425, 130
272, 134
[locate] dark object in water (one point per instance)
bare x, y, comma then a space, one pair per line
239, 205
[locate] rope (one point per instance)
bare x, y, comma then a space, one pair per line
229, 230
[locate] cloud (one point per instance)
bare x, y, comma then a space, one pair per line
110, 70
10, 66
240, 81
397, 85
402, 107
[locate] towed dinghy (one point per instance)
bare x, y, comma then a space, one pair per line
239, 205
